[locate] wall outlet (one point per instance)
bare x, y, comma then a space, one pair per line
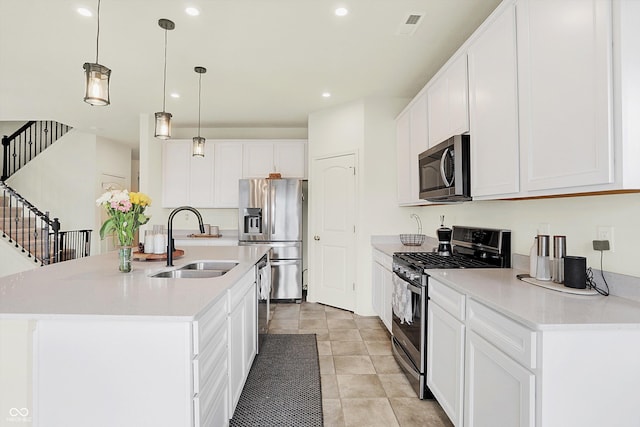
606, 233
601, 245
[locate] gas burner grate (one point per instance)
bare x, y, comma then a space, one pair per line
431, 260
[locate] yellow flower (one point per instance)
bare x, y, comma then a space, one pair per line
144, 199
139, 199
134, 198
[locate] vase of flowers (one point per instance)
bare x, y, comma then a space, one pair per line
126, 215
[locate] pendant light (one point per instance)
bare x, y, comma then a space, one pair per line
198, 141
96, 77
163, 119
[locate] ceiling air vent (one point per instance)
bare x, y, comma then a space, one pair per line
410, 24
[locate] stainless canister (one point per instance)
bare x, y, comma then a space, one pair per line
543, 268
559, 252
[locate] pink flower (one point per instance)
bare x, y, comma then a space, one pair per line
121, 205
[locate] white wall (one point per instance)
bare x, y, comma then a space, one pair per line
366, 127
13, 261
575, 217
7, 128
151, 169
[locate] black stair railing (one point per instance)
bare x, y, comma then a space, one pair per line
27, 142
37, 235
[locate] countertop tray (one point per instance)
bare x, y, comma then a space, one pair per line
141, 256
556, 286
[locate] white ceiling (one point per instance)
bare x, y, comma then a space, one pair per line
268, 61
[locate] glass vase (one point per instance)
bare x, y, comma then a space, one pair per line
125, 255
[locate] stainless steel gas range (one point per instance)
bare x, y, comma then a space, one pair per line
472, 248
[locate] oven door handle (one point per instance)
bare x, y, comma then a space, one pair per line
413, 288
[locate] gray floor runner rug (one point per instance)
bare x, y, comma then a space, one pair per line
283, 387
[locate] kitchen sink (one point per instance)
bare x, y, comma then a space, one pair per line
197, 270
188, 274
209, 266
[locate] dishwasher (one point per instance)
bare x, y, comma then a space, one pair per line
263, 282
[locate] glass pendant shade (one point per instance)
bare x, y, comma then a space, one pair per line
198, 146
163, 125
96, 84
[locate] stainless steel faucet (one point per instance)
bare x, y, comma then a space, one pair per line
170, 230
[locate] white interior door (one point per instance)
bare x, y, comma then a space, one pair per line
108, 182
333, 218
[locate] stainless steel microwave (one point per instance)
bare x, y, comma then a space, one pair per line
444, 171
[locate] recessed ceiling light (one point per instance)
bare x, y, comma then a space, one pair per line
192, 11
84, 11
175, 95
326, 95
341, 11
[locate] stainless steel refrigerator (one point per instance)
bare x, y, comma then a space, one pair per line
271, 213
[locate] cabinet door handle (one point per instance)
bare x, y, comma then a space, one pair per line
316, 237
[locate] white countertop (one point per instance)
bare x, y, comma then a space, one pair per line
536, 307
389, 247
93, 287
540, 308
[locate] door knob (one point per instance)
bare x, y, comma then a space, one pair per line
316, 237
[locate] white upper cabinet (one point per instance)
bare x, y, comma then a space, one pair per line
186, 180
565, 78
285, 157
290, 158
493, 108
448, 102
176, 159
201, 177
411, 140
212, 181
227, 170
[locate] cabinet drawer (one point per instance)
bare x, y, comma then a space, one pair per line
210, 406
237, 292
382, 259
511, 337
448, 298
210, 362
209, 324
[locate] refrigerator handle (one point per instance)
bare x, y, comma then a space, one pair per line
273, 210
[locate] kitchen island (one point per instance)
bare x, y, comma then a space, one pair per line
83, 344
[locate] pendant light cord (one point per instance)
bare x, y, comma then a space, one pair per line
164, 84
98, 33
199, 95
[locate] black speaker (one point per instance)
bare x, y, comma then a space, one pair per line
575, 272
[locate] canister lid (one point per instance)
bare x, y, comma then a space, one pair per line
543, 245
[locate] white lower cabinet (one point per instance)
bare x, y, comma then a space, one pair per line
499, 391
243, 335
445, 361
479, 362
382, 286
210, 367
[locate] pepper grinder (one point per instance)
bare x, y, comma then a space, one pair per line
543, 267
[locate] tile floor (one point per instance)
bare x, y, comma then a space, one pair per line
362, 385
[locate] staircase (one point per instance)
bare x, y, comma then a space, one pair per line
27, 142
23, 225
